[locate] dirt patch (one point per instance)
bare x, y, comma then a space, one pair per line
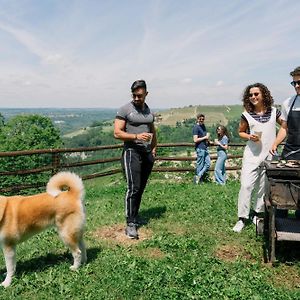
116, 234
231, 253
286, 277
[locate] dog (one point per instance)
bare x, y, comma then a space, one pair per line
61, 206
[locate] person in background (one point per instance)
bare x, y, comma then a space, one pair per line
222, 146
201, 137
134, 124
258, 127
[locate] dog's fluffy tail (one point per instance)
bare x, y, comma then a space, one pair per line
58, 182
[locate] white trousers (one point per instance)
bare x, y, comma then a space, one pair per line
253, 183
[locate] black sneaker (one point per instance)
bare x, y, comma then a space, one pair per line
131, 231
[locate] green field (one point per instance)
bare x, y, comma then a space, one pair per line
187, 250
215, 114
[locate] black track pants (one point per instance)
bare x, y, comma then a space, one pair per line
137, 166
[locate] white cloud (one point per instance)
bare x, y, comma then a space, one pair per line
82, 55
186, 80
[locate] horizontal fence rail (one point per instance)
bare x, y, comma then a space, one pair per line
63, 159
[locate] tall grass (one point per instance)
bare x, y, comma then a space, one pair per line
187, 250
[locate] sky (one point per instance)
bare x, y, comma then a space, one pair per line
87, 53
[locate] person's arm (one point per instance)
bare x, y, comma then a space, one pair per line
243, 128
121, 134
199, 139
282, 133
154, 139
224, 146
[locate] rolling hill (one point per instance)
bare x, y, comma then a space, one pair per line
214, 114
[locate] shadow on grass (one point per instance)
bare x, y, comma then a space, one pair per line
152, 213
287, 252
41, 263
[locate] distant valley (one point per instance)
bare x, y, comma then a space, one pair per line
72, 121
66, 119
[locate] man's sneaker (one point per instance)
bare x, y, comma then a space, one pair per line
238, 226
196, 179
131, 231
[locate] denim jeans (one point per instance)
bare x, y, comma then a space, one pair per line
220, 171
203, 162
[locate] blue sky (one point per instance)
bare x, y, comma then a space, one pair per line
65, 53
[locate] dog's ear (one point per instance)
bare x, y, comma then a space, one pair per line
3, 202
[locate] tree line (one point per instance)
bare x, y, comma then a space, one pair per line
28, 132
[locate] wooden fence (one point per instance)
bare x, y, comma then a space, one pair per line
60, 162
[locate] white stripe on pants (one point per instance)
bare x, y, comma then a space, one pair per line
138, 166
253, 180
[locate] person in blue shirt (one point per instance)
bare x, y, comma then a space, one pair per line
222, 146
201, 140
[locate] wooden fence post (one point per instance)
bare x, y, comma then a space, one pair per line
55, 162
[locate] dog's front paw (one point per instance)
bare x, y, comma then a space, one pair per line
74, 268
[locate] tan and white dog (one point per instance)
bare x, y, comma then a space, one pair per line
61, 206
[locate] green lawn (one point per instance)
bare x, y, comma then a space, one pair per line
187, 250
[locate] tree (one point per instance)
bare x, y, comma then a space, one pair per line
27, 132
1, 120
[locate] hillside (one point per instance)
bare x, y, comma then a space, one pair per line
215, 114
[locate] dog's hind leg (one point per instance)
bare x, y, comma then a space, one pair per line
83, 251
76, 253
73, 241
10, 262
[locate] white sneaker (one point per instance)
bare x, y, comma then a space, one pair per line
196, 179
238, 226
254, 220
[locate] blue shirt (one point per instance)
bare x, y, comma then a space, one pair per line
223, 141
200, 131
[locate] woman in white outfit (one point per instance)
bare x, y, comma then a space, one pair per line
258, 127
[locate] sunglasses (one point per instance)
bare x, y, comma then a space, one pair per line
139, 96
254, 94
294, 83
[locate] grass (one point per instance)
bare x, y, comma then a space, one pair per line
187, 250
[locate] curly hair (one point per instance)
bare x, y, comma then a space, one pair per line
266, 95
